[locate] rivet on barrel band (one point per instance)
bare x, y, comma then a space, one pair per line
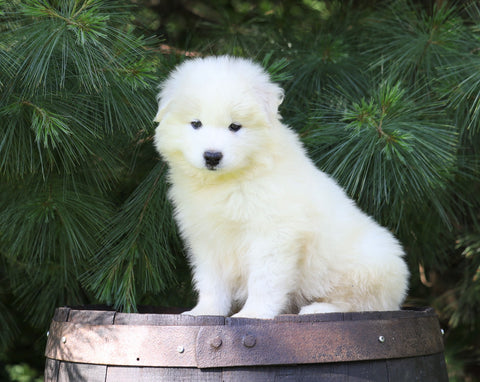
216, 342
249, 341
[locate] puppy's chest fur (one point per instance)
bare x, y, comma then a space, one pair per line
219, 207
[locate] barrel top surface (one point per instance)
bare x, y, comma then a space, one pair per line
100, 314
100, 336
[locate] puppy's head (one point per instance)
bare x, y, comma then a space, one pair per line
214, 114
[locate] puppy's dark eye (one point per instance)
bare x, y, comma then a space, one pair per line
234, 127
196, 124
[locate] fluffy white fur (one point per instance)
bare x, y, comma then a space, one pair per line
266, 231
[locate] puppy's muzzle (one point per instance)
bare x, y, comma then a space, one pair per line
212, 159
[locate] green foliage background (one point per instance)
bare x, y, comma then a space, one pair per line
385, 95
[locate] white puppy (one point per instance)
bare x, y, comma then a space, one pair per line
266, 230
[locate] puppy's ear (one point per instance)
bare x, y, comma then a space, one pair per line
162, 109
271, 96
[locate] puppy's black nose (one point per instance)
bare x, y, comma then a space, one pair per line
212, 158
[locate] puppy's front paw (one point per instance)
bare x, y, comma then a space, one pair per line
201, 311
320, 307
190, 313
254, 314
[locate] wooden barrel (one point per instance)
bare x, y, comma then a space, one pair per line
105, 346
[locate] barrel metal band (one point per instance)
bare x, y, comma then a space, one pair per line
244, 345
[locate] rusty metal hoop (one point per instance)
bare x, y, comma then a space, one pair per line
166, 340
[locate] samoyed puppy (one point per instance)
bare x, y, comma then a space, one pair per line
267, 232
